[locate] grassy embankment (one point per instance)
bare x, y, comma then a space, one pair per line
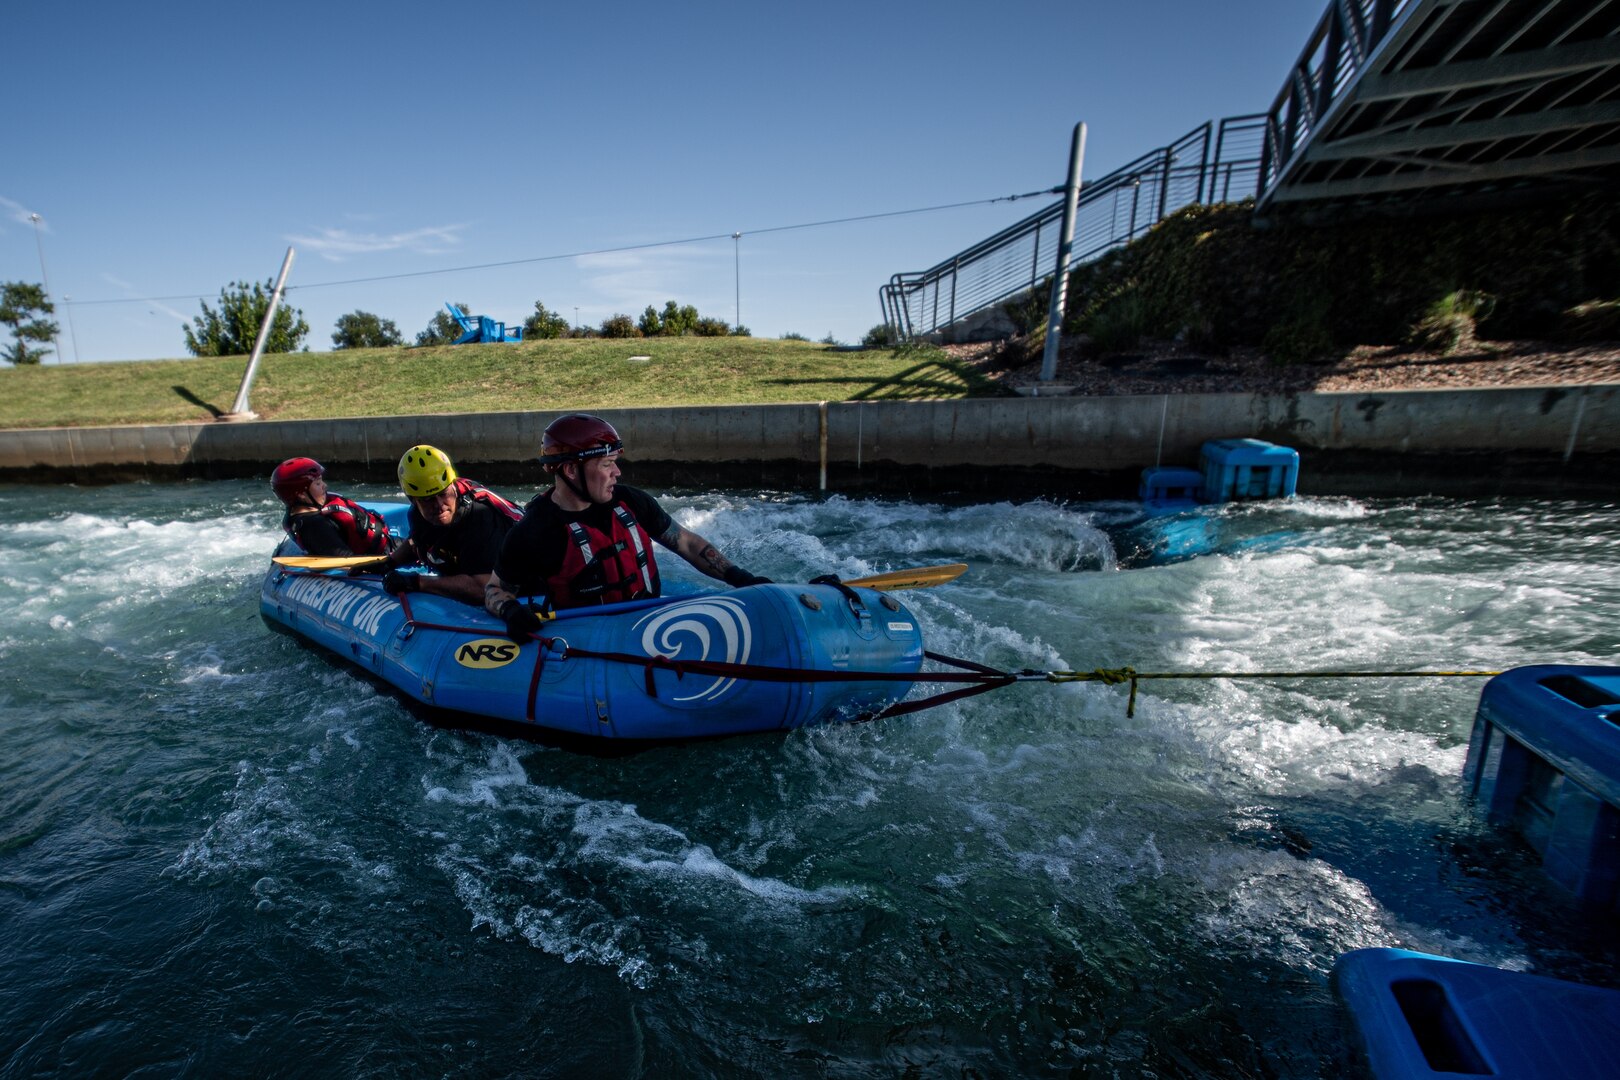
539, 375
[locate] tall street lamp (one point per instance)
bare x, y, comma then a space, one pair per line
45, 279
736, 247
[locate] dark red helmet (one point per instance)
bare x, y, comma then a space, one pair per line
577, 437
293, 477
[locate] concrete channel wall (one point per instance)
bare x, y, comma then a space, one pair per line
1527, 440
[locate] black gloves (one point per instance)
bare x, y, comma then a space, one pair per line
737, 578
396, 581
521, 623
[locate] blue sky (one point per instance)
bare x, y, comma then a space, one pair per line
170, 149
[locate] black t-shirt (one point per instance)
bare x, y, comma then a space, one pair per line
468, 545
535, 547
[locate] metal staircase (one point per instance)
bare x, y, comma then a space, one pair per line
1390, 100
1211, 163
1416, 98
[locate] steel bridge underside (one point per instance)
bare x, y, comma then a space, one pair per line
1406, 100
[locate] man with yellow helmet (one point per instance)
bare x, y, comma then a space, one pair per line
454, 525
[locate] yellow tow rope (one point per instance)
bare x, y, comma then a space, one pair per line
1116, 676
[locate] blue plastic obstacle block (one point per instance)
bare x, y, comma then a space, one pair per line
1544, 760
1169, 487
1428, 1016
1238, 469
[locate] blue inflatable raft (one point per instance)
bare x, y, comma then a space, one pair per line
762, 658
1423, 1016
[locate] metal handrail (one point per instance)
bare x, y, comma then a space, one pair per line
1334, 56
1210, 163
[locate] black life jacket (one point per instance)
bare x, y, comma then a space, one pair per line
364, 531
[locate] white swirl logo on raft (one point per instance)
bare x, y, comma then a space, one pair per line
341, 600
714, 623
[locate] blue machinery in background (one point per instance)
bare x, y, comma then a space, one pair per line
481, 329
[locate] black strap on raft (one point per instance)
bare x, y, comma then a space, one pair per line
975, 678
978, 677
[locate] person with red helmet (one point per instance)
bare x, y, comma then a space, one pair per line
455, 526
323, 522
588, 539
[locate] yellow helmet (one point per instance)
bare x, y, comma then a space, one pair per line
425, 470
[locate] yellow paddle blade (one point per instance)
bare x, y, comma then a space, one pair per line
329, 562
923, 577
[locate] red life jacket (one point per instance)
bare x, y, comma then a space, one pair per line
605, 568
469, 491
364, 531
472, 489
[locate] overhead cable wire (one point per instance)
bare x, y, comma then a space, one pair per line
603, 251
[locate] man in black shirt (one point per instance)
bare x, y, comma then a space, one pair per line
588, 539
455, 525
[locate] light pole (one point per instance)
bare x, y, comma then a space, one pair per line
576, 316
45, 279
73, 335
736, 249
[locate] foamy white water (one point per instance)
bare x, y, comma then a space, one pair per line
1024, 881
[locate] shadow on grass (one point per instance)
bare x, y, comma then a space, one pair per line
930, 379
197, 401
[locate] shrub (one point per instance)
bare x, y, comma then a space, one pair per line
1028, 310
545, 324
363, 330
1119, 323
881, 336
441, 329
741, 331
707, 327
1598, 320
1450, 321
677, 320
792, 336
620, 326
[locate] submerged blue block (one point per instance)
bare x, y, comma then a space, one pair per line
1428, 1016
1235, 470
1169, 487
1544, 760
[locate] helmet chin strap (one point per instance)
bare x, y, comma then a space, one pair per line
577, 486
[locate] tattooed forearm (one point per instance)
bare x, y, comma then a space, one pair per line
712, 562
697, 551
496, 594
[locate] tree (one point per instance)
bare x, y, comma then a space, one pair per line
650, 324
620, 326
545, 324
678, 320
442, 329
232, 330
881, 336
363, 330
21, 308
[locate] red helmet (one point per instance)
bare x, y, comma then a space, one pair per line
577, 437
293, 477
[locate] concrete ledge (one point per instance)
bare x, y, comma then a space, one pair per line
1507, 439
